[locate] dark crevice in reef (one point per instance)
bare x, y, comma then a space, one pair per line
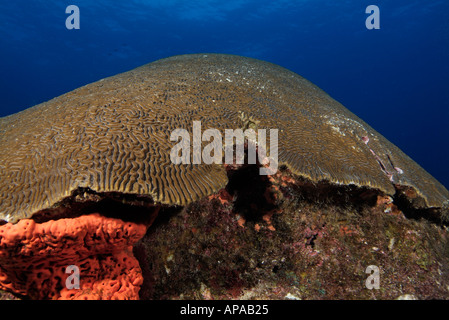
323, 193
253, 193
202, 250
127, 207
414, 208
249, 189
340, 196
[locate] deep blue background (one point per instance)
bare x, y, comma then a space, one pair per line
395, 78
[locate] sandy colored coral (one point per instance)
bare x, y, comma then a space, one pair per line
114, 136
34, 257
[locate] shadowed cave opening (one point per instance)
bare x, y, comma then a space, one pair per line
414, 208
127, 207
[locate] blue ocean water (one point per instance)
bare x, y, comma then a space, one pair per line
396, 78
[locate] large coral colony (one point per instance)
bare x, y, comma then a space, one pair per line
94, 207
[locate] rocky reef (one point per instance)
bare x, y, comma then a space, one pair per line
282, 238
261, 237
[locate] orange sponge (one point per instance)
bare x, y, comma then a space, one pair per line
34, 257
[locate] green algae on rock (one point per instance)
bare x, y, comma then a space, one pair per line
114, 136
